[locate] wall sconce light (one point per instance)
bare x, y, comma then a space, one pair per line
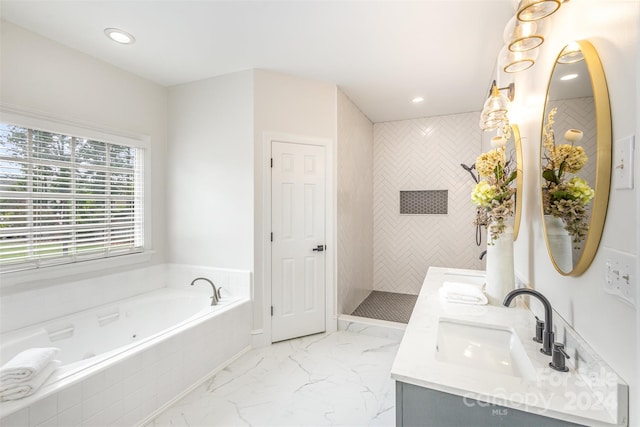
496, 107
514, 62
488, 124
533, 10
571, 54
523, 36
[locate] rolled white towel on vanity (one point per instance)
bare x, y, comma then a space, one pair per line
464, 293
27, 364
18, 390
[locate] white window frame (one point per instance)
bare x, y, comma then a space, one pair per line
50, 123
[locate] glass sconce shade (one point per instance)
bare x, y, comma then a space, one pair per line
494, 111
514, 62
523, 36
533, 10
497, 105
570, 54
488, 123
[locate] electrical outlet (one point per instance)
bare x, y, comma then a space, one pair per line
620, 275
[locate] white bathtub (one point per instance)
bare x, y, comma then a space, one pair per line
125, 360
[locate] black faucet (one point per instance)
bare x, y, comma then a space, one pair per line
547, 335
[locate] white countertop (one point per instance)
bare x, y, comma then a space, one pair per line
553, 394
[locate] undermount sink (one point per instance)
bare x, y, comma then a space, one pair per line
484, 347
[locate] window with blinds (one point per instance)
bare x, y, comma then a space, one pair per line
65, 199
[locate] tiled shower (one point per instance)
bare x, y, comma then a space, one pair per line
403, 201
417, 155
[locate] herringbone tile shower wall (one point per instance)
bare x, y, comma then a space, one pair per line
423, 154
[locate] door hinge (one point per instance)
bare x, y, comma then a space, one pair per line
271, 311
272, 236
272, 162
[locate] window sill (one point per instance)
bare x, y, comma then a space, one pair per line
74, 271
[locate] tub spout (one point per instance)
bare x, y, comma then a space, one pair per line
216, 292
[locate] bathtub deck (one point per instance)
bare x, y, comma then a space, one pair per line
341, 378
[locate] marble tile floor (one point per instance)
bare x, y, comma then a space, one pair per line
331, 379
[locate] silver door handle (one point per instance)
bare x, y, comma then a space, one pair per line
319, 248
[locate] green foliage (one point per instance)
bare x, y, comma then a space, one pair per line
550, 176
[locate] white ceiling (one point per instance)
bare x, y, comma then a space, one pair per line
380, 53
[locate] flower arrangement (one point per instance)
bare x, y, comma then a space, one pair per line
493, 195
565, 196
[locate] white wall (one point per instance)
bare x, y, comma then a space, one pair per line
287, 105
46, 77
210, 172
635, 397
355, 205
607, 323
423, 154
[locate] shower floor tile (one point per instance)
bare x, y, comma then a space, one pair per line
339, 378
388, 306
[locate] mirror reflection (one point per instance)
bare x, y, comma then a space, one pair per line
569, 159
497, 194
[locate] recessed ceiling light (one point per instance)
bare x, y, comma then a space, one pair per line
119, 36
417, 100
569, 77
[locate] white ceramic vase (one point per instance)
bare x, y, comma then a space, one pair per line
500, 275
559, 242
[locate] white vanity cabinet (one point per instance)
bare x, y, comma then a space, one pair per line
477, 365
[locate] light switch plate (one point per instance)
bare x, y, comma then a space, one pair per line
620, 277
623, 163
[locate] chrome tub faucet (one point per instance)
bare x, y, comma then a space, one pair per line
216, 292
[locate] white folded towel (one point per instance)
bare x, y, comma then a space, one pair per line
14, 390
464, 293
27, 364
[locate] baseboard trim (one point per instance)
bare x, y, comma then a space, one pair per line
149, 418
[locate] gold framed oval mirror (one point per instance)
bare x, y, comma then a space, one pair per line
506, 144
514, 145
575, 158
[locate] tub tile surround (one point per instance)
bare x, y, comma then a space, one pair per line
23, 308
140, 384
338, 378
36, 304
129, 387
590, 393
233, 282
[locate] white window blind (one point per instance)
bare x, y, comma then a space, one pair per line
65, 199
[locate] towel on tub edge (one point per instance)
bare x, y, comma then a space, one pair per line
14, 390
464, 293
27, 364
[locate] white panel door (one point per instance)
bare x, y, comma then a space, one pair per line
297, 249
